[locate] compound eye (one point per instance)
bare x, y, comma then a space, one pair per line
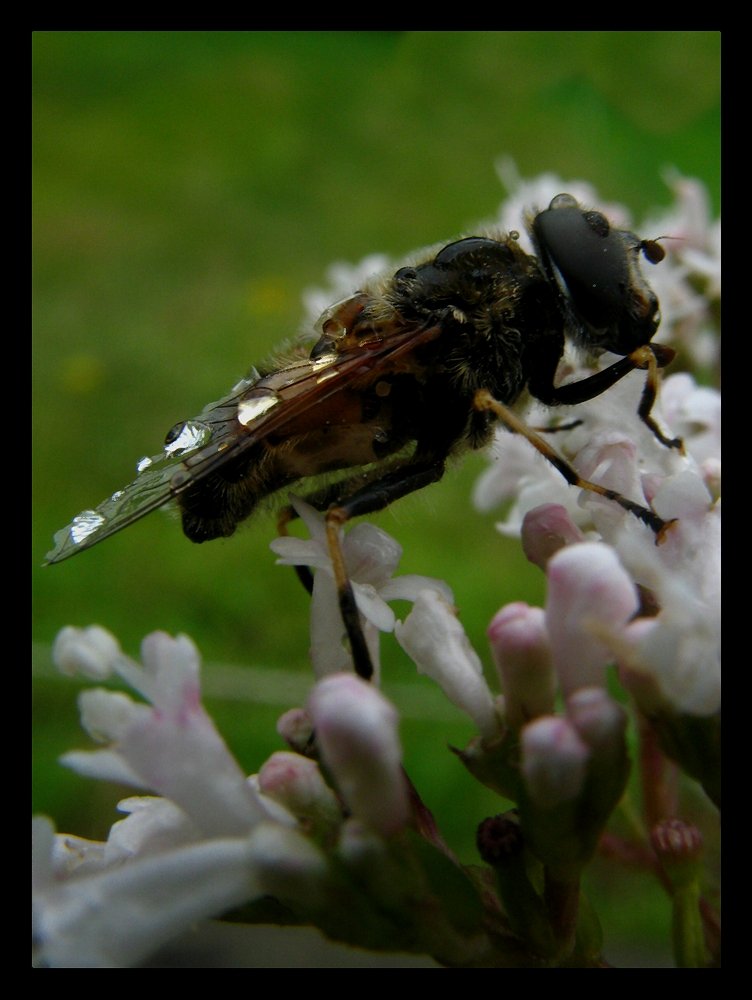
596, 268
580, 245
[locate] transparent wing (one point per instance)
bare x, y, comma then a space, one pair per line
255, 408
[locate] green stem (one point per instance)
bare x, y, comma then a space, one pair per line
562, 897
688, 937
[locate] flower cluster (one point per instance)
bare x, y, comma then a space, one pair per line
331, 828
211, 839
371, 557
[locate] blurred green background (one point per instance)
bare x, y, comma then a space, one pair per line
188, 186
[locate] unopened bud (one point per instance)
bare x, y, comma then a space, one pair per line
676, 843
600, 721
601, 724
522, 654
356, 730
502, 845
89, 651
588, 590
499, 838
554, 759
296, 782
678, 846
296, 729
545, 530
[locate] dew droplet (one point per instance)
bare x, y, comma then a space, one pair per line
85, 524
251, 409
186, 436
323, 361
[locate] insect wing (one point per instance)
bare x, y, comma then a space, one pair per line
253, 410
159, 479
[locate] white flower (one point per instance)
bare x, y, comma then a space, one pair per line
519, 473
694, 413
211, 842
172, 747
434, 638
680, 648
609, 445
120, 914
688, 281
371, 557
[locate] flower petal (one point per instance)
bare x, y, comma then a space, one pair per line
434, 638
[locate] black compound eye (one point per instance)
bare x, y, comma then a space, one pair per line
588, 255
597, 270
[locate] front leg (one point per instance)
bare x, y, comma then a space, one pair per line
485, 402
649, 357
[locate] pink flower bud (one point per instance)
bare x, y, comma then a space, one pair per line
296, 782
545, 530
521, 652
296, 729
356, 730
588, 592
676, 842
554, 760
598, 719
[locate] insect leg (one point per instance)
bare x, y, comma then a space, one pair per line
335, 518
369, 498
485, 401
304, 574
558, 428
650, 357
649, 394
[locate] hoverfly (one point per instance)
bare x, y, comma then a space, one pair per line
405, 373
